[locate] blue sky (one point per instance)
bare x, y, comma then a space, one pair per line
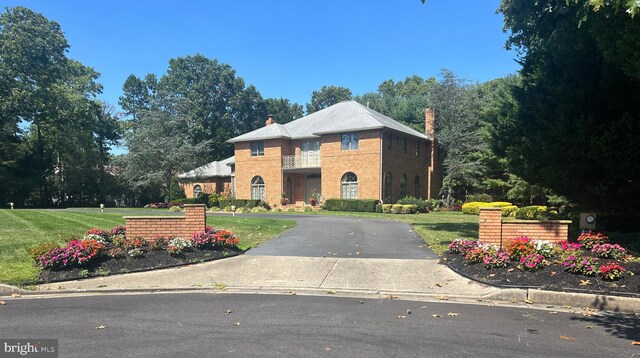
286, 48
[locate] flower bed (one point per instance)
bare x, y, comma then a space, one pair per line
603, 268
102, 253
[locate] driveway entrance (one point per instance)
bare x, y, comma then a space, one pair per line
345, 237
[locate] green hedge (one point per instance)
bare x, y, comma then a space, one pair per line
203, 199
241, 203
535, 212
473, 207
410, 200
362, 205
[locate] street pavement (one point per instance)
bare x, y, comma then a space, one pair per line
236, 325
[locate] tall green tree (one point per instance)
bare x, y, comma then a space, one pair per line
282, 110
578, 120
327, 96
160, 146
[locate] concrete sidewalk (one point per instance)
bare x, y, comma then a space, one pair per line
295, 273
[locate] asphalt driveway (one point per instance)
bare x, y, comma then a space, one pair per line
350, 237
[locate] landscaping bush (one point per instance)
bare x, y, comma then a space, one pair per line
386, 208
544, 248
226, 238
76, 253
420, 204
462, 246
135, 253
520, 247
410, 209
509, 211
611, 271
204, 240
214, 200
476, 255
259, 209
583, 265
158, 243
240, 203
97, 234
589, 238
175, 209
378, 208
473, 207
358, 205
396, 209
44, 248
159, 205
433, 204
496, 260
535, 212
608, 251
531, 262
202, 199
176, 246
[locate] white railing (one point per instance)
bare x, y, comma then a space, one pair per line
301, 161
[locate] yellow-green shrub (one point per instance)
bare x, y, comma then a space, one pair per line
473, 207
509, 210
534, 212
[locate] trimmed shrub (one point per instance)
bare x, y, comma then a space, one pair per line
433, 204
240, 203
259, 209
410, 209
214, 200
396, 209
473, 207
202, 199
386, 208
378, 208
359, 205
535, 212
509, 211
420, 204
175, 209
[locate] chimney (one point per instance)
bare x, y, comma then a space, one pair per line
430, 122
269, 121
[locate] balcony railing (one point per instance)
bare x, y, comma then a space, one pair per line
301, 161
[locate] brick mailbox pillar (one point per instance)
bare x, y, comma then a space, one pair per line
194, 220
491, 226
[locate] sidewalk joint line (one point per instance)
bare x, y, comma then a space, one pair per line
328, 272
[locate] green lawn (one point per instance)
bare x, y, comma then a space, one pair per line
20, 229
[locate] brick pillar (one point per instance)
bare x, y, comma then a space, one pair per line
195, 217
491, 226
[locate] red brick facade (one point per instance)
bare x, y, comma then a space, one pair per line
209, 186
497, 232
194, 220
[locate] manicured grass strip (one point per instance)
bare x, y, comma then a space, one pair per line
20, 229
250, 230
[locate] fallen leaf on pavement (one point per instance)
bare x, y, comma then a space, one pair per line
16, 295
237, 323
567, 338
584, 282
453, 314
2, 303
228, 312
331, 292
635, 343
529, 302
553, 273
492, 275
511, 270
554, 312
514, 301
101, 327
436, 316
589, 327
401, 317
327, 348
423, 307
408, 311
442, 298
391, 297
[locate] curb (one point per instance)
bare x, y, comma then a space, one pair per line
8, 290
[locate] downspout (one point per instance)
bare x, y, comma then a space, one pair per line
380, 174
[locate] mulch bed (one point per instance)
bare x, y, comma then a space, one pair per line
545, 279
151, 260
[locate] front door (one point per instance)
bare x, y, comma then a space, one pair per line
312, 186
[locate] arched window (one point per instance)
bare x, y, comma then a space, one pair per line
257, 188
349, 186
388, 185
416, 187
197, 191
403, 186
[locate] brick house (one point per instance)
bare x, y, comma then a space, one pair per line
215, 177
344, 151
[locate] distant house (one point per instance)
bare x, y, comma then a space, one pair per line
215, 177
344, 151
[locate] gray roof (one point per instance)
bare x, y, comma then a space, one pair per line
347, 116
213, 169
